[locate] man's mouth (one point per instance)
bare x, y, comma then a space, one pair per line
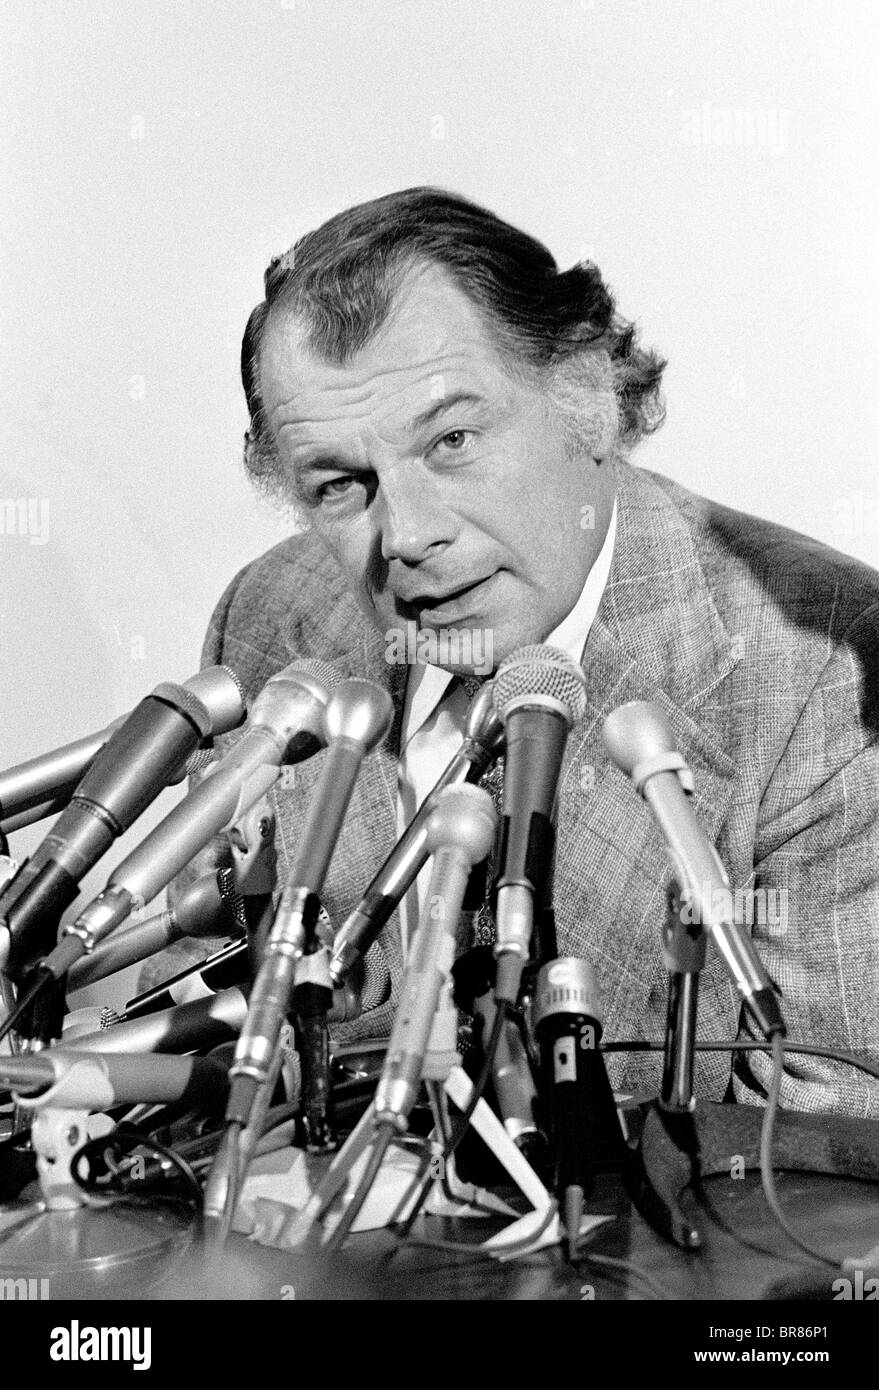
442, 599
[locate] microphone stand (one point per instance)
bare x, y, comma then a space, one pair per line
676, 1140
667, 1147
423, 1047
448, 1080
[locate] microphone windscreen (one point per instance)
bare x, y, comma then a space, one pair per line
540, 671
322, 671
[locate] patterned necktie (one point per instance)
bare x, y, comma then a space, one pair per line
478, 927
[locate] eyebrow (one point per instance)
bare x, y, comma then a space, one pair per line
418, 422
321, 462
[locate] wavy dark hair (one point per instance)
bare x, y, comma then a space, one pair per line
340, 281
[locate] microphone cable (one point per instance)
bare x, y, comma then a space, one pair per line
111, 1149
777, 1048
850, 1059
766, 1174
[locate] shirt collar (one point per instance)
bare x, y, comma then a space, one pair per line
572, 631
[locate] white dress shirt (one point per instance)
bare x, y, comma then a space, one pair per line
433, 722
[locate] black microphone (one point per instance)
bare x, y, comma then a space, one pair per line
224, 969
538, 695
133, 767
42, 786
229, 966
640, 741
581, 1112
285, 726
483, 742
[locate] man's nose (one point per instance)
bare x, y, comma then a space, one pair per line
413, 521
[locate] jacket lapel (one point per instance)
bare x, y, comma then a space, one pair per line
657, 636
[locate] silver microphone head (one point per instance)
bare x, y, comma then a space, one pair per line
483, 724
358, 710
634, 732
540, 675
464, 818
292, 702
220, 691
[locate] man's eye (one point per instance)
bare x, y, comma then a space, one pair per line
455, 441
336, 487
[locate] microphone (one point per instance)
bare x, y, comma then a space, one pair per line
30, 791
539, 695
357, 717
583, 1123
211, 906
459, 833
43, 810
227, 967
134, 765
483, 741
49, 780
639, 739
197, 1024
473, 974
285, 726
72, 1079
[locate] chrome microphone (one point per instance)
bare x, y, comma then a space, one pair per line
285, 726
459, 833
639, 739
483, 742
70, 1079
357, 717
539, 694
211, 906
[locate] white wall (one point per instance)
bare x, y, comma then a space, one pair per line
157, 154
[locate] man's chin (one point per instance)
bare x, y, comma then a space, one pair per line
471, 648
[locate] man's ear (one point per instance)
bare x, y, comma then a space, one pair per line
583, 390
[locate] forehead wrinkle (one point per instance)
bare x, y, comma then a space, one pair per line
404, 393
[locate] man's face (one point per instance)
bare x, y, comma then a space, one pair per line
441, 484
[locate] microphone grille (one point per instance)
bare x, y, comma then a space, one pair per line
188, 703
236, 681
540, 670
201, 758
376, 987
324, 672
636, 731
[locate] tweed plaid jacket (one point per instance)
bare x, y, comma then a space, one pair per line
762, 647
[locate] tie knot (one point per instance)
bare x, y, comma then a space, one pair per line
471, 685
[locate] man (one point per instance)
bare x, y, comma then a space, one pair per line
452, 418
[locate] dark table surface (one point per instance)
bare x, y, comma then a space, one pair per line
745, 1255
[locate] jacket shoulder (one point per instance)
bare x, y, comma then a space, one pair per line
775, 573
290, 602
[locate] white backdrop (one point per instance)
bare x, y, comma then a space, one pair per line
716, 160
